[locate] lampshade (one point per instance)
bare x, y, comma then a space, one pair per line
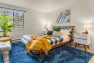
86, 26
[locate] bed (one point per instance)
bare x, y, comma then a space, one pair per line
56, 40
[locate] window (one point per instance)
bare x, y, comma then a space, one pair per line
18, 15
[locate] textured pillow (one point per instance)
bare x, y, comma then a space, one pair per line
57, 33
49, 32
65, 32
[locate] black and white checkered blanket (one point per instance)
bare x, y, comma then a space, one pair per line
53, 41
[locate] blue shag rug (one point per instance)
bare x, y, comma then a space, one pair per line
63, 54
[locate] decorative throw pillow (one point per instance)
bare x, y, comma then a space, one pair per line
57, 33
65, 32
49, 32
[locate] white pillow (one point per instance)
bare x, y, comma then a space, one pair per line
65, 32
56, 33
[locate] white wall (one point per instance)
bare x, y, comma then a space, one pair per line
81, 12
33, 22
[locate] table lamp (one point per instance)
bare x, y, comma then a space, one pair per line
86, 27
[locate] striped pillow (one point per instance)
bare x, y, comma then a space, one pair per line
55, 40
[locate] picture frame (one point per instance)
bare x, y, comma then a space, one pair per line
64, 17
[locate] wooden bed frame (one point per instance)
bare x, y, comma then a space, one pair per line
71, 36
62, 43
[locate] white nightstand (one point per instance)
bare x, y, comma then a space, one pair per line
82, 39
5, 47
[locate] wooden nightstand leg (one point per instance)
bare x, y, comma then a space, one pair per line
75, 45
88, 46
85, 47
78, 45
70, 44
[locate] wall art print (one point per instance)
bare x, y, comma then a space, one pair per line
64, 17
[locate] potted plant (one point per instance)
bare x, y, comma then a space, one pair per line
6, 25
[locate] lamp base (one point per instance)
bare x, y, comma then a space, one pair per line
86, 32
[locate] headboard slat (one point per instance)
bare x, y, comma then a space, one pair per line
64, 27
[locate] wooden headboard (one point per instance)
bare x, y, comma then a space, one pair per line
64, 27
67, 28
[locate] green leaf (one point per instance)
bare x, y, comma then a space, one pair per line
10, 24
1, 18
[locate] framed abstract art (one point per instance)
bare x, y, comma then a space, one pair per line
64, 17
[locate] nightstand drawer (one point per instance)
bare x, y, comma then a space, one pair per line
81, 41
79, 36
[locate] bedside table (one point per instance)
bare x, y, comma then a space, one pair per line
5, 47
82, 39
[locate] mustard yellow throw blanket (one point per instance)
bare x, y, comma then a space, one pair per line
39, 44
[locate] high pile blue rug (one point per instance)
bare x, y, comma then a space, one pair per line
63, 54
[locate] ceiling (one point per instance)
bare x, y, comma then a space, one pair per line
40, 5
